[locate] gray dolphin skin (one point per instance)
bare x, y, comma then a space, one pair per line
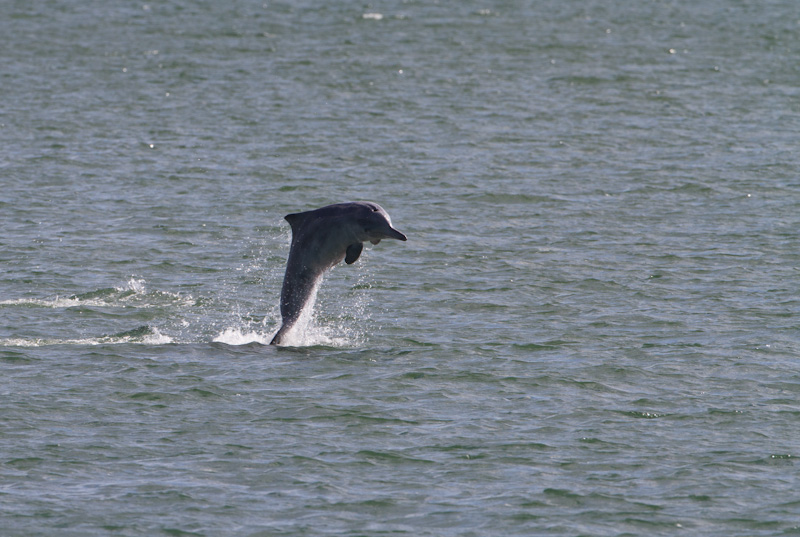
321, 239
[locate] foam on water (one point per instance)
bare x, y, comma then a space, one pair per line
133, 296
55, 302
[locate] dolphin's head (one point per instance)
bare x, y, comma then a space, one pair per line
374, 223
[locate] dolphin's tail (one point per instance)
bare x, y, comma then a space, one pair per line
276, 340
279, 337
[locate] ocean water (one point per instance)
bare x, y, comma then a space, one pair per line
593, 330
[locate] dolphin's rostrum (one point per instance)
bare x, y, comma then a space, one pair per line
321, 239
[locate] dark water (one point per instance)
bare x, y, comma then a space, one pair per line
592, 330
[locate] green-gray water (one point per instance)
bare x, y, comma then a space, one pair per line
594, 328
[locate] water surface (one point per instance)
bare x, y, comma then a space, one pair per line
592, 330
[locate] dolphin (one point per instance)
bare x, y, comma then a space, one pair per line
321, 239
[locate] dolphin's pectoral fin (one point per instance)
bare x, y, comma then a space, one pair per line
352, 252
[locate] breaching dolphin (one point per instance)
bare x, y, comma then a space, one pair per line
321, 239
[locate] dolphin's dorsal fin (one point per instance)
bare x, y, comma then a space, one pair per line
296, 219
352, 252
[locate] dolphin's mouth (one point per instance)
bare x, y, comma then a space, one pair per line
397, 235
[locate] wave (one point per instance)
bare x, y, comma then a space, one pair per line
144, 335
163, 317
134, 290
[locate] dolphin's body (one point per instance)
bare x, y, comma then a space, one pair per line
321, 239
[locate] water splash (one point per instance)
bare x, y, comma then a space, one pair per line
237, 336
336, 322
135, 285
